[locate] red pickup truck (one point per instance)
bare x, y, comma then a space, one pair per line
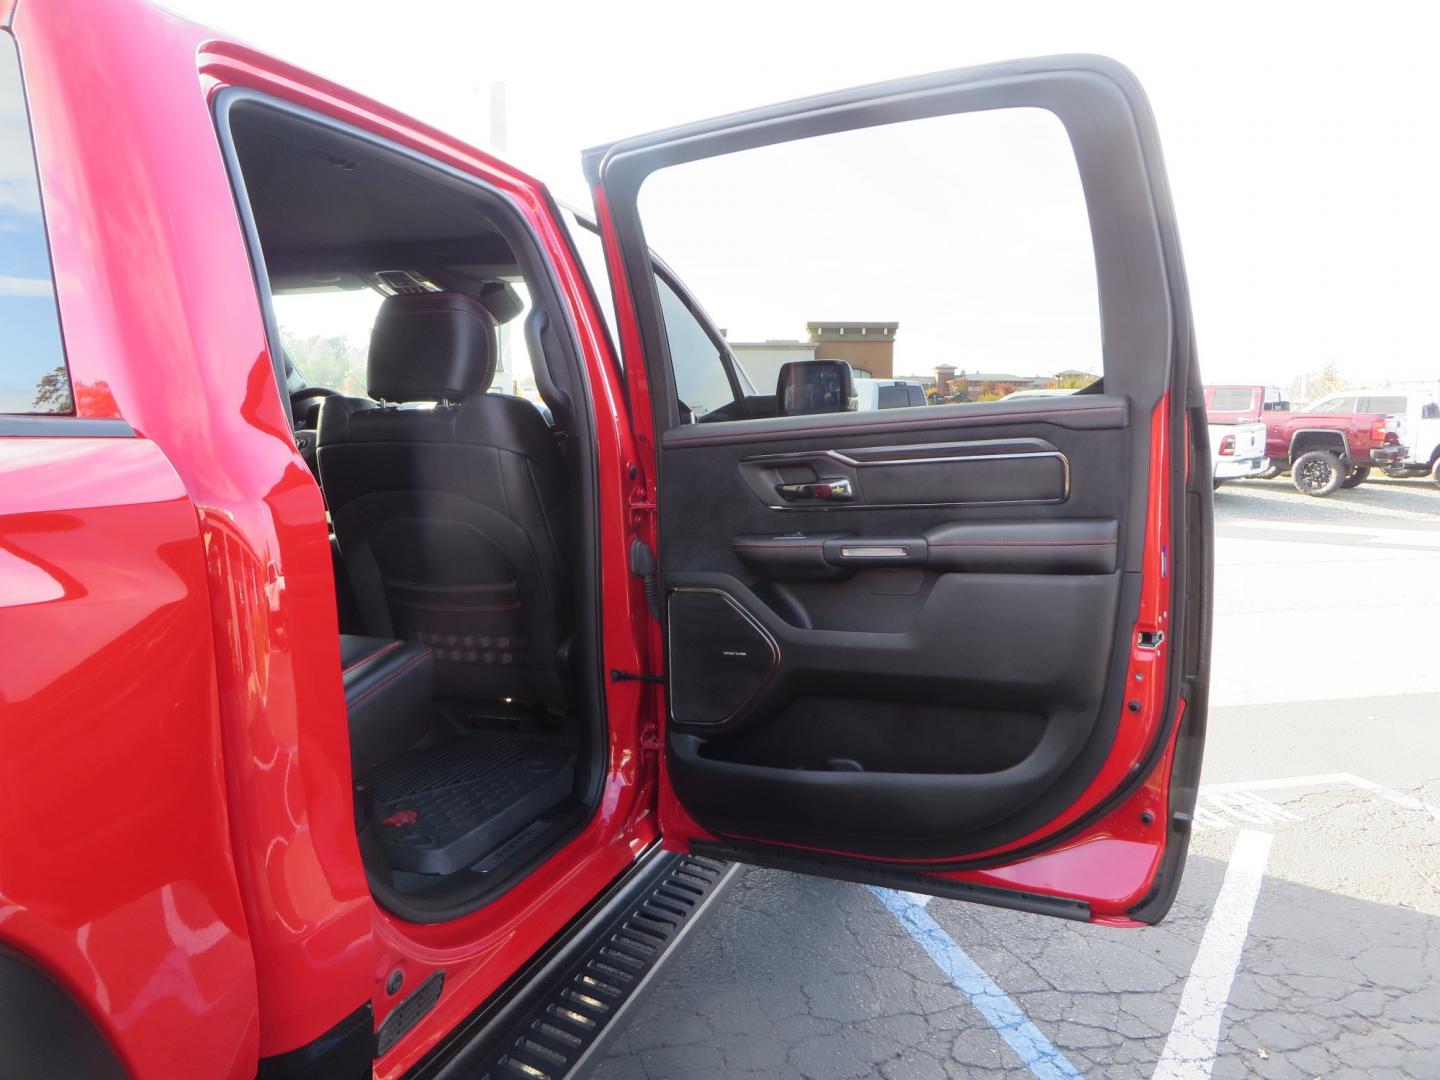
405, 733
1323, 452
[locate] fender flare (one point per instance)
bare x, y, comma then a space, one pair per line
1329, 434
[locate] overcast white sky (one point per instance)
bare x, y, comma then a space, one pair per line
1300, 139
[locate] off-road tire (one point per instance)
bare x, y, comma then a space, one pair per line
1317, 473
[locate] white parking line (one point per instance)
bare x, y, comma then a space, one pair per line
1189, 1052
1380, 791
1399, 798
1216, 811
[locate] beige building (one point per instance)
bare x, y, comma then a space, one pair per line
866, 346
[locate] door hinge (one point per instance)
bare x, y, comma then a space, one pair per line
641, 506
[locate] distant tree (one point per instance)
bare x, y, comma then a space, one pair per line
328, 361
1071, 382
994, 391
52, 392
1310, 385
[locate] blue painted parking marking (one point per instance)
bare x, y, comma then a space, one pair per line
1022, 1036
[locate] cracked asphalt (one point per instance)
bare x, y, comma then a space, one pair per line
1330, 746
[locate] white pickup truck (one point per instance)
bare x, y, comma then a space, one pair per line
1237, 450
1417, 415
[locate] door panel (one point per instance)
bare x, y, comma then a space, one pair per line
938, 641
927, 701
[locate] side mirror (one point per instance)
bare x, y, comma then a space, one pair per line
806, 387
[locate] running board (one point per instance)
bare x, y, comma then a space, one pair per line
557, 1017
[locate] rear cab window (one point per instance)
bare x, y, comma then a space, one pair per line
326, 337
34, 379
1388, 403
1228, 399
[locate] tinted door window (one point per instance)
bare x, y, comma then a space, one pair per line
33, 376
893, 397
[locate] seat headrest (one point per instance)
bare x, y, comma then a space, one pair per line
431, 346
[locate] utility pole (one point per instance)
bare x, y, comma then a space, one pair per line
500, 143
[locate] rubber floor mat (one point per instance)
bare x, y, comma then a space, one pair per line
442, 808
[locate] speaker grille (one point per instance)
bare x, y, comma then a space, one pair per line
719, 657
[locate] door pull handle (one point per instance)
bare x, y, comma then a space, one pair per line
836, 490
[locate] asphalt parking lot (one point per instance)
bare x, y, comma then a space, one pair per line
1305, 940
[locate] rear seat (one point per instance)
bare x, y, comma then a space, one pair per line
388, 686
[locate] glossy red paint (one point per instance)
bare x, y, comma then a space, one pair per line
1113, 862
158, 302
161, 316
115, 868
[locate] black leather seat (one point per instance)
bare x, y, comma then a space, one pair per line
451, 518
388, 686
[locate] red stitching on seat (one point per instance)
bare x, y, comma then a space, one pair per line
391, 647
371, 691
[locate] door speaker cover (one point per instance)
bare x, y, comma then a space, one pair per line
719, 657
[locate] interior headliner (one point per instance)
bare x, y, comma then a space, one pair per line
332, 208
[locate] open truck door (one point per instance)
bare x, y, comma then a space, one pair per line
959, 650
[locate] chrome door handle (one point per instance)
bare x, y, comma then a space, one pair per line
836, 490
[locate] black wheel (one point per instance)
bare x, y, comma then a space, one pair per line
1217, 482
1270, 472
1356, 476
1435, 472
1318, 473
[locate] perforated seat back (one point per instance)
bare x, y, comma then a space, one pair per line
450, 517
